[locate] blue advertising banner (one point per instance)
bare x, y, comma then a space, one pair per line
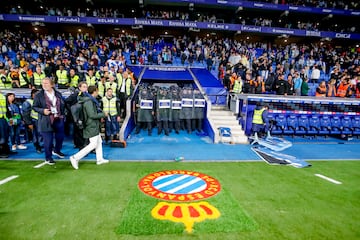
178, 23
267, 6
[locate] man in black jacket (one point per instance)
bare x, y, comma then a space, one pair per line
79, 141
281, 85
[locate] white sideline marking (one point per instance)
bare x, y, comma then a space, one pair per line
328, 179
40, 165
8, 179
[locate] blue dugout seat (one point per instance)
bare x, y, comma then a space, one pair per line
271, 120
314, 125
336, 127
292, 125
325, 125
280, 125
356, 125
303, 125
346, 125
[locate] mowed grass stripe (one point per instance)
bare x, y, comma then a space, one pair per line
285, 202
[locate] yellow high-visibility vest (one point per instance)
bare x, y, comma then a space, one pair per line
237, 86
109, 105
22, 79
91, 81
38, 78
101, 88
113, 86
74, 81
257, 118
2, 106
33, 114
62, 77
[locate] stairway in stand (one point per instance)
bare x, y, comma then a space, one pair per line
221, 116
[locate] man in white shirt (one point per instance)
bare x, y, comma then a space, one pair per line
315, 74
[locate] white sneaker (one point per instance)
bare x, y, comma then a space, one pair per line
21, 147
13, 148
74, 162
102, 161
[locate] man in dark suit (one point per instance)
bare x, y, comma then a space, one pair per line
50, 105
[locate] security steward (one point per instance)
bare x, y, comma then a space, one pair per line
37, 77
4, 128
62, 78
24, 78
5, 82
260, 120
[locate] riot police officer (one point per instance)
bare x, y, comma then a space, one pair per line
163, 111
144, 109
187, 105
175, 110
199, 111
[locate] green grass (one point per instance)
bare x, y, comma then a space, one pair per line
258, 201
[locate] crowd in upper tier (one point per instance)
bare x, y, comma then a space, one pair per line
266, 18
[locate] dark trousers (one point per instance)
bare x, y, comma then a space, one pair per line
174, 125
35, 134
163, 125
48, 137
187, 125
15, 134
4, 137
197, 124
79, 140
140, 124
122, 98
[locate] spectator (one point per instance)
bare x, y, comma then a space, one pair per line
331, 88
281, 85
321, 90
297, 84
305, 87
315, 74
15, 122
344, 89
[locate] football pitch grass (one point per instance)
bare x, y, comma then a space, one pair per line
256, 201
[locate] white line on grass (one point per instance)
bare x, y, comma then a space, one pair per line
328, 179
8, 179
40, 165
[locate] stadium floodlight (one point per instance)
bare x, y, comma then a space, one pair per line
328, 17
285, 13
325, 39
239, 9
137, 27
194, 29
191, 6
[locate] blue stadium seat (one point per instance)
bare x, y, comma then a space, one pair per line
314, 125
346, 125
336, 127
303, 125
356, 125
292, 125
280, 125
325, 125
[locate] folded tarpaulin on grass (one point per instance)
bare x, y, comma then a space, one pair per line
273, 157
